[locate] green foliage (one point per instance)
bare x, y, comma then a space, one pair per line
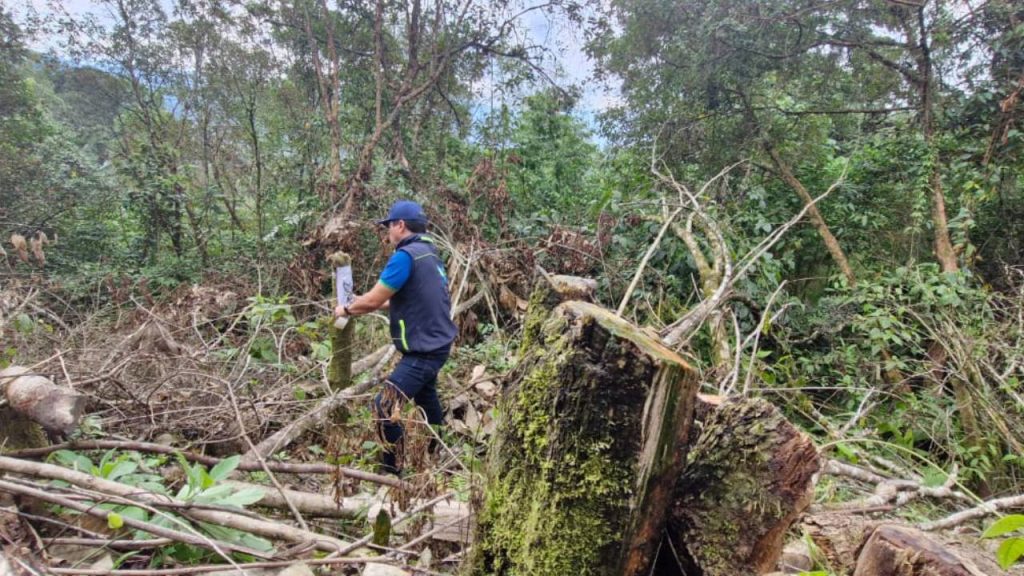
200, 486
1010, 549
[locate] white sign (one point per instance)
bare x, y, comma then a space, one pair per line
343, 284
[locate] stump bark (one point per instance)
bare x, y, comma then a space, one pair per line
591, 440
894, 550
749, 476
35, 403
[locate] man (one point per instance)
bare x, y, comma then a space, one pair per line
414, 287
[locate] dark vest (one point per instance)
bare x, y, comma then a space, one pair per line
420, 311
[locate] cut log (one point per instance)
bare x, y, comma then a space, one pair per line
750, 474
894, 550
37, 398
588, 448
842, 540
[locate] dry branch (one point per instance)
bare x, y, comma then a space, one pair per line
322, 412
257, 526
980, 511
315, 417
891, 490
682, 328
283, 467
92, 510
216, 567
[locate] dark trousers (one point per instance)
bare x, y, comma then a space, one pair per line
414, 378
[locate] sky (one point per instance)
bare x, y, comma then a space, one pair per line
567, 63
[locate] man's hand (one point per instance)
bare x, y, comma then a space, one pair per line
378, 297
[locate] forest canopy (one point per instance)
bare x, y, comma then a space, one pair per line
820, 203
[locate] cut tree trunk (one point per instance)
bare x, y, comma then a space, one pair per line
339, 371
901, 551
34, 402
854, 544
749, 476
592, 439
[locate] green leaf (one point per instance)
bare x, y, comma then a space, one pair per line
1004, 525
243, 497
1010, 551
120, 469
114, 520
225, 467
134, 512
257, 543
213, 495
847, 453
23, 323
73, 460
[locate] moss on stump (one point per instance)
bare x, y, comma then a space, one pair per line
18, 431
749, 476
587, 449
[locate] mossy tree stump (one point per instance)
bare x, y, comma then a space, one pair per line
749, 476
590, 443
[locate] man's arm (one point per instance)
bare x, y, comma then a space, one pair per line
377, 298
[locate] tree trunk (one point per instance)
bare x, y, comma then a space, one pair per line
815, 216
592, 438
40, 401
749, 476
339, 371
901, 551
18, 431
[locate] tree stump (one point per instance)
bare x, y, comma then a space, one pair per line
588, 448
748, 478
35, 403
339, 371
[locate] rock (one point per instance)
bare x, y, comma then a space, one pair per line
487, 389
796, 558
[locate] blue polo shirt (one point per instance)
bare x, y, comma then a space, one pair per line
396, 272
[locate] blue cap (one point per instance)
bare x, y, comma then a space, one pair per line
405, 210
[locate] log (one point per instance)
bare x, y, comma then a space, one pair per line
894, 550
840, 539
36, 397
749, 476
590, 441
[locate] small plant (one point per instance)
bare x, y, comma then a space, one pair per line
200, 487
1012, 548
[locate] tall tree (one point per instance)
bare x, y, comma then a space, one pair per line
703, 78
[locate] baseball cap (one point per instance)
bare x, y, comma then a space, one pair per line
405, 210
